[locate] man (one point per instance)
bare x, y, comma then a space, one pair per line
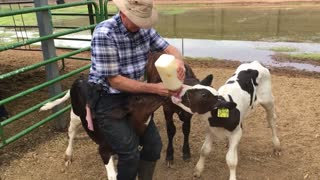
120, 47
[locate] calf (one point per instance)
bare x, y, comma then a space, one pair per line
169, 108
226, 109
139, 109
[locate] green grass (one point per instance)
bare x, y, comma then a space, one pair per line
283, 49
188, 58
26, 19
306, 56
7, 34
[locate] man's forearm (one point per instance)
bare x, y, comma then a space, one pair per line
129, 85
173, 51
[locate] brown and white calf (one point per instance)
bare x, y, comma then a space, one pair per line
226, 109
139, 109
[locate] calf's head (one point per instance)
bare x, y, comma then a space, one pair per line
201, 99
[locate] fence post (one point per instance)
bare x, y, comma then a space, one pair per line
49, 51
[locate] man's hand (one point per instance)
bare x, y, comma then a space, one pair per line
163, 91
176, 92
180, 70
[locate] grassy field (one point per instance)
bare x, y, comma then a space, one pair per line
310, 56
283, 49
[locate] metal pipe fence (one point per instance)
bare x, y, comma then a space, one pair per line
99, 14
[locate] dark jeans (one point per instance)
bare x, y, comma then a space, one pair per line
112, 122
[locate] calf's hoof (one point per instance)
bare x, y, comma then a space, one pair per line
67, 160
186, 156
277, 152
169, 163
197, 174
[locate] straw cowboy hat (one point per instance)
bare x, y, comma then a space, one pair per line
140, 12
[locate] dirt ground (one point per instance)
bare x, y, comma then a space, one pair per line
40, 154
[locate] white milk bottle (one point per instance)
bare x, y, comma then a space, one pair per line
166, 66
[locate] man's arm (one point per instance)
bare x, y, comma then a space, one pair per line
129, 85
173, 51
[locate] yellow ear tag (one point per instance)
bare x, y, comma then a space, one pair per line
223, 113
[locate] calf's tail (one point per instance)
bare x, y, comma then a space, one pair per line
52, 104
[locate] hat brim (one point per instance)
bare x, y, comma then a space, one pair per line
144, 23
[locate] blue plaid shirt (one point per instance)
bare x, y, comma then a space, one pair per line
116, 51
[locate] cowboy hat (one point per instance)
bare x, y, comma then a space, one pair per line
140, 12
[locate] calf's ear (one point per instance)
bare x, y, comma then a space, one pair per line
207, 81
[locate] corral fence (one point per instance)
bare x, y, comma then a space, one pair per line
96, 12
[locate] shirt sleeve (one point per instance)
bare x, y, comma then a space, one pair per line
157, 43
104, 55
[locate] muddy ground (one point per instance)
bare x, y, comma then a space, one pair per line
40, 154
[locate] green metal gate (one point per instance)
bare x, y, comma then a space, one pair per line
96, 12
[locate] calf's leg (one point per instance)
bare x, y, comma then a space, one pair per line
205, 150
171, 131
265, 98
112, 174
186, 118
232, 154
105, 153
75, 124
271, 118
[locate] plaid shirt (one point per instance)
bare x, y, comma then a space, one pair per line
116, 51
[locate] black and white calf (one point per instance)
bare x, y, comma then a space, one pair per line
226, 109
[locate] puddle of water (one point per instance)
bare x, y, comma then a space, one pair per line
244, 51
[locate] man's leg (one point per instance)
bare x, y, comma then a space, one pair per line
120, 135
150, 153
